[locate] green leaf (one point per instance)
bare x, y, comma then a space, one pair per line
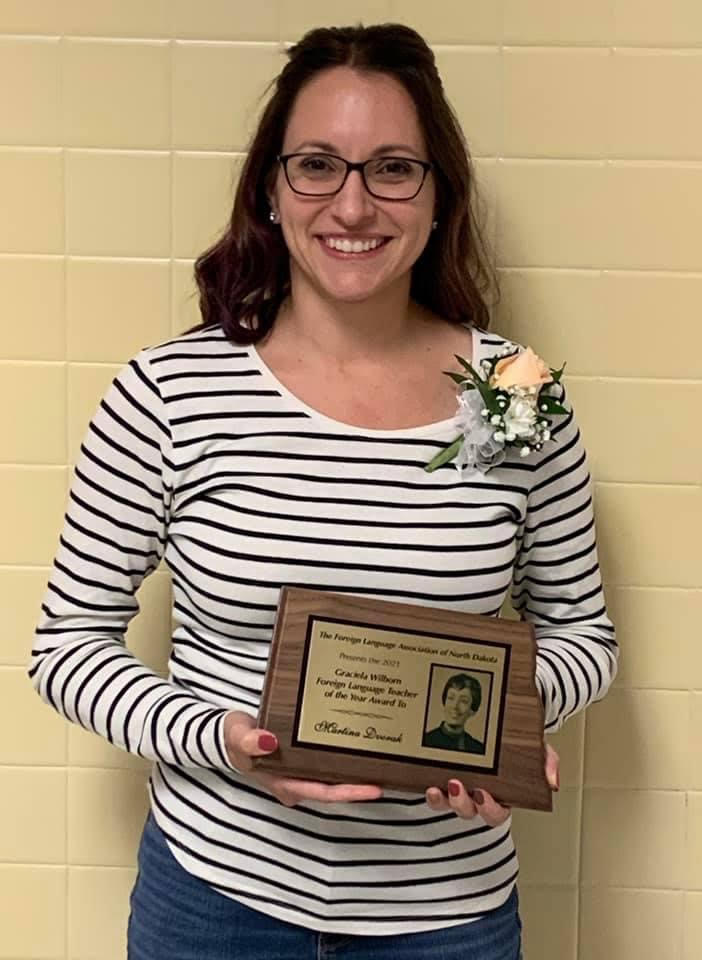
459, 378
476, 376
489, 397
552, 405
477, 379
557, 374
463, 363
448, 453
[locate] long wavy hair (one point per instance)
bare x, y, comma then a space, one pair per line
245, 276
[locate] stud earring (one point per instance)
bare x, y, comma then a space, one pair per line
434, 224
273, 217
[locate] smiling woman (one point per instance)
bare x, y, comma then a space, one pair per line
353, 104
352, 247
283, 442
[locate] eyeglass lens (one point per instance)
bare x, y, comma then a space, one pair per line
396, 178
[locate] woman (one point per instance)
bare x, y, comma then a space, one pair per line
461, 699
283, 442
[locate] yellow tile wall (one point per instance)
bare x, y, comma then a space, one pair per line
117, 166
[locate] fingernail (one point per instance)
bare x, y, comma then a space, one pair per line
266, 741
454, 788
477, 797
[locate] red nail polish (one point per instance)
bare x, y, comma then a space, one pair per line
267, 741
478, 797
454, 788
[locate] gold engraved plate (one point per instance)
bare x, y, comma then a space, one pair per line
381, 691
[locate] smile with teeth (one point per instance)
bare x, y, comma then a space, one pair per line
353, 246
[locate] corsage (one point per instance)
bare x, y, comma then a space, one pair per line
510, 405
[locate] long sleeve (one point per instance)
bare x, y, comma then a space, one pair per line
557, 584
113, 536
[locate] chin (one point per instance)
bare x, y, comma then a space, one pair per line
347, 296
355, 290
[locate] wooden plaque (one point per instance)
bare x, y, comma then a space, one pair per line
360, 690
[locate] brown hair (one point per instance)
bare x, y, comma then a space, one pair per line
245, 276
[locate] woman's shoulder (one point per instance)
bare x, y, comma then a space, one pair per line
161, 368
491, 343
198, 352
210, 342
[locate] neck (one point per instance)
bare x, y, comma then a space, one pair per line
350, 333
451, 730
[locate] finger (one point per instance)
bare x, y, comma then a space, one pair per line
552, 768
436, 799
331, 793
492, 812
460, 801
291, 791
276, 786
349, 792
256, 742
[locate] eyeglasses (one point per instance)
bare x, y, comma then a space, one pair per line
324, 174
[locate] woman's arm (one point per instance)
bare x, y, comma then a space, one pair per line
557, 587
113, 536
557, 584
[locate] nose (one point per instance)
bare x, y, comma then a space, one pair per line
353, 204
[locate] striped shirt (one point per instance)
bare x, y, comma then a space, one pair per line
198, 455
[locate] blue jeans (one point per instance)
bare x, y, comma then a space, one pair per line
175, 916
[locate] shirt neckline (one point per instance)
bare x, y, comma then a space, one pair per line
420, 430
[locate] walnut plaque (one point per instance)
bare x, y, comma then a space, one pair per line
360, 690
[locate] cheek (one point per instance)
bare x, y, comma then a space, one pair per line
418, 230
294, 233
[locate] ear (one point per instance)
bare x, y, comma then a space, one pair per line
271, 187
274, 214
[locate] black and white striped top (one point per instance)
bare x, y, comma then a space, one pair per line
198, 454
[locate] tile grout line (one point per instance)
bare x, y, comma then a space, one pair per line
672, 49
172, 199
64, 161
578, 899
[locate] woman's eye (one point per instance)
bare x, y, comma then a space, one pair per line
316, 164
393, 168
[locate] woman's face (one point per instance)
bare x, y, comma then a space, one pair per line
458, 706
355, 116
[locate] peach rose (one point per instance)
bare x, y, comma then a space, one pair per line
523, 370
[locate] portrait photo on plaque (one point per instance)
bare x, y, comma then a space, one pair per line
457, 707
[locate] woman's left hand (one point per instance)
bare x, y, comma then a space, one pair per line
479, 802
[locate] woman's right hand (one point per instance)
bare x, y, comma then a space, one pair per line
244, 740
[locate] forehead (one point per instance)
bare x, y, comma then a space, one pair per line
355, 111
463, 692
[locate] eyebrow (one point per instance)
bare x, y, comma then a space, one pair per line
383, 150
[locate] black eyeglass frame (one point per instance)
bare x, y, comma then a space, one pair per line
284, 157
